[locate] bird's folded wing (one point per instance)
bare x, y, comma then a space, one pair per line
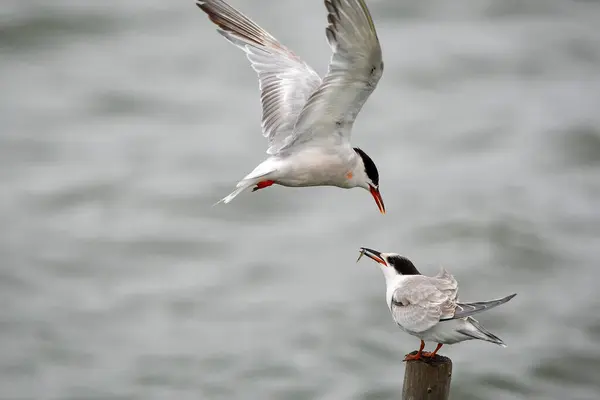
463, 310
418, 305
354, 71
445, 282
285, 81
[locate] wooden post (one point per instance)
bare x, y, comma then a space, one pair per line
427, 379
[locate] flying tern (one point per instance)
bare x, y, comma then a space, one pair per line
308, 120
428, 307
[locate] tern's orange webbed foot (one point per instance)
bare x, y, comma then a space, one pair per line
262, 185
412, 357
415, 355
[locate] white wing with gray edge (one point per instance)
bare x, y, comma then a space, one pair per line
354, 71
285, 81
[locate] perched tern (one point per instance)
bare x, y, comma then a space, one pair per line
308, 120
428, 307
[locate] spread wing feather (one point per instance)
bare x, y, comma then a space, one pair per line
297, 105
354, 71
285, 81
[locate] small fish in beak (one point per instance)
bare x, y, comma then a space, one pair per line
372, 254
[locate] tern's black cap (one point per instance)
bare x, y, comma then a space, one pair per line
370, 168
402, 265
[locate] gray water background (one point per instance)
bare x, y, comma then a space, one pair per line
122, 122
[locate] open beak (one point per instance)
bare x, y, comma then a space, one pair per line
372, 254
377, 196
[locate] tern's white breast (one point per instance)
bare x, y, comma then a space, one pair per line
317, 166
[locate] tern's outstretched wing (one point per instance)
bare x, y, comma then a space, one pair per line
420, 302
285, 81
354, 71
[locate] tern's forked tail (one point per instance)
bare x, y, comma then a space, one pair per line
262, 173
476, 331
241, 186
230, 196
244, 184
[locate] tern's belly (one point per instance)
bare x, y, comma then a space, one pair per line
444, 332
314, 169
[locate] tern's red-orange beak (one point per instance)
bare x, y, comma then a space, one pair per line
372, 254
377, 196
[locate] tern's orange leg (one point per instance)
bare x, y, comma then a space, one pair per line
262, 185
439, 346
417, 356
431, 355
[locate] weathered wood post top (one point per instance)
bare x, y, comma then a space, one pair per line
427, 379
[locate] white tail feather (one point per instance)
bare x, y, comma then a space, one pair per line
240, 187
258, 174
